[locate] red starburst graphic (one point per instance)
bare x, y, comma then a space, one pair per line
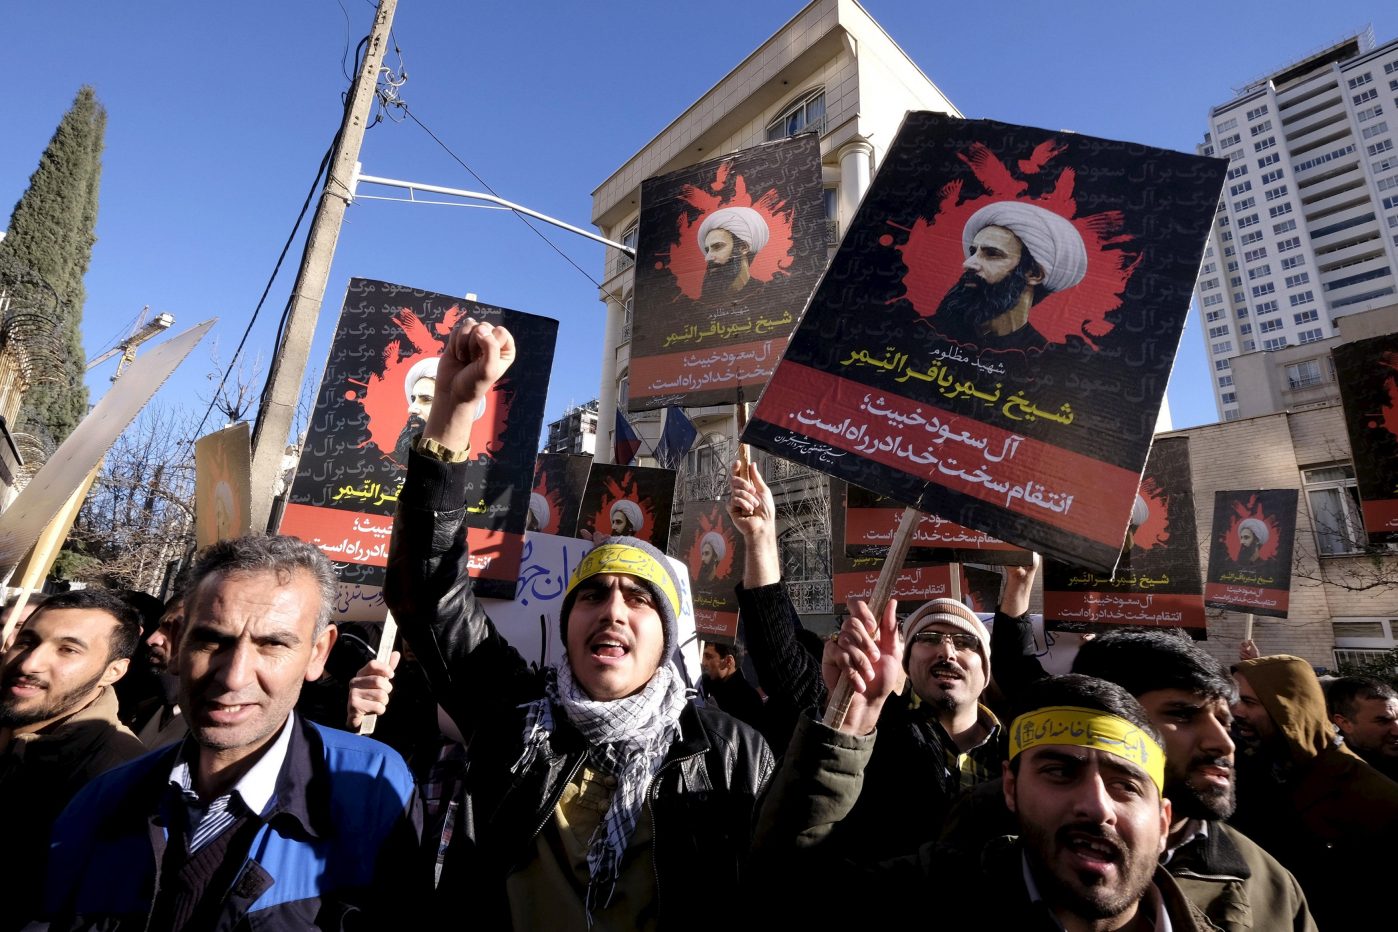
711, 522
551, 495
933, 251
685, 258
1155, 532
613, 491
1387, 418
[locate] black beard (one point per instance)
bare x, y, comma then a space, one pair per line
718, 279
415, 426
971, 303
1190, 803
56, 707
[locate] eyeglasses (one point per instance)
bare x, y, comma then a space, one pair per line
959, 640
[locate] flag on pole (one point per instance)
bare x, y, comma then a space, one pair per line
676, 438
627, 443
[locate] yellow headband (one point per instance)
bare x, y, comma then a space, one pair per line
626, 561
1088, 728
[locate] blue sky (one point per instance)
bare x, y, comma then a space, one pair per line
219, 115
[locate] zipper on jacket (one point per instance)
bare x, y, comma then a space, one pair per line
655, 823
553, 803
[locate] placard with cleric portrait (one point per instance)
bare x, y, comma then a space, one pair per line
1254, 532
374, 398
727, 254
629, 501
992, 340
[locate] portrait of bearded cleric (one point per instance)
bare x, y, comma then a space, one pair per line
1016, 254
730, 239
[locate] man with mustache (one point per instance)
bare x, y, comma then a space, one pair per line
1308, 799
1084, 780
1187, 694
729, 238
1365, 710
1016, 255
599, 794
58, 722
939, 733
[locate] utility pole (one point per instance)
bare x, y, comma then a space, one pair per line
288, 366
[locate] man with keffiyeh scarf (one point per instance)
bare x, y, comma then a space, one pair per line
599, 795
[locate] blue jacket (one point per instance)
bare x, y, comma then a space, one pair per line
338, 848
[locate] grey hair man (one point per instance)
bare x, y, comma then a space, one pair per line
255, 790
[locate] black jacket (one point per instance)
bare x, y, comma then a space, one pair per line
701, 801
912, 745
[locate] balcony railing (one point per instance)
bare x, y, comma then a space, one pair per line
811, 596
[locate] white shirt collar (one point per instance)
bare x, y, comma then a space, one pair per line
256, 787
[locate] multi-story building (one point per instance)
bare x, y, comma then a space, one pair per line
1307, 228
575, 431
833, 69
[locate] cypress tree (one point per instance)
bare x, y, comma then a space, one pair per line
51, 233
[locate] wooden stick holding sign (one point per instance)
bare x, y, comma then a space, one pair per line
843, 694
741, 408
384, 655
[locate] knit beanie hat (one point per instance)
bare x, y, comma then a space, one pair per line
948, 612
630, 556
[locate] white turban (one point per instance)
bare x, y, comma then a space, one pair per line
632, 512
744, 223
714, 539
1139, 512
539, 508
1053, 242
422, 369
1259, 530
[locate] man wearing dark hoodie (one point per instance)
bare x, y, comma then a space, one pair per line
1310, 801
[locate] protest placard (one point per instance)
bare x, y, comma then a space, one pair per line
871, 519
1367, 373
1250, 551
992, 340
727, 254
1157, 581
222, 485
374, 399
631, 501
713, 551
559, 481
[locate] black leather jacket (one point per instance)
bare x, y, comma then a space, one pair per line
701, 802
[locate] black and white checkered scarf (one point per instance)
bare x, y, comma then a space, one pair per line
628, 739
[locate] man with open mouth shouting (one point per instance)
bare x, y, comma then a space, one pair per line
598, 794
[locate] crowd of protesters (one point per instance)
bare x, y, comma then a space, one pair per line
186, 766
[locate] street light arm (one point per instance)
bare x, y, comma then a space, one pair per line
412, 186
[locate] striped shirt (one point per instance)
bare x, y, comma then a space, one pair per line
251, 795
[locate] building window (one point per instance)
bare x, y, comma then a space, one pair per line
1363, 97
1229, 398
1383, 145
1212, 300
1286, 226
1214, 315
1246, 203
1368, 113
1314, 335
1383, 165
628, 309
1238, 172
1229, 124
1294, 242
1306, 317
1231, 415
705, 468
1224, 381
1273, 193
1266, 307
1225, 346
1252, 255
1218, 331
1221, 365
1378, 128
1265, 288
1256, 112
1302, 297
1247, 239
1280, 210
1293, 281
1261, 128
1261, 271
807, 113
1244, 329
623, 391
1365, 78
1227, 141
1304, 374
1237, 189
1242, 313
1267, 143
1275, 174
1291, 262
1333, 498
1271, 159
1270, 326
1274, 344
629, 238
